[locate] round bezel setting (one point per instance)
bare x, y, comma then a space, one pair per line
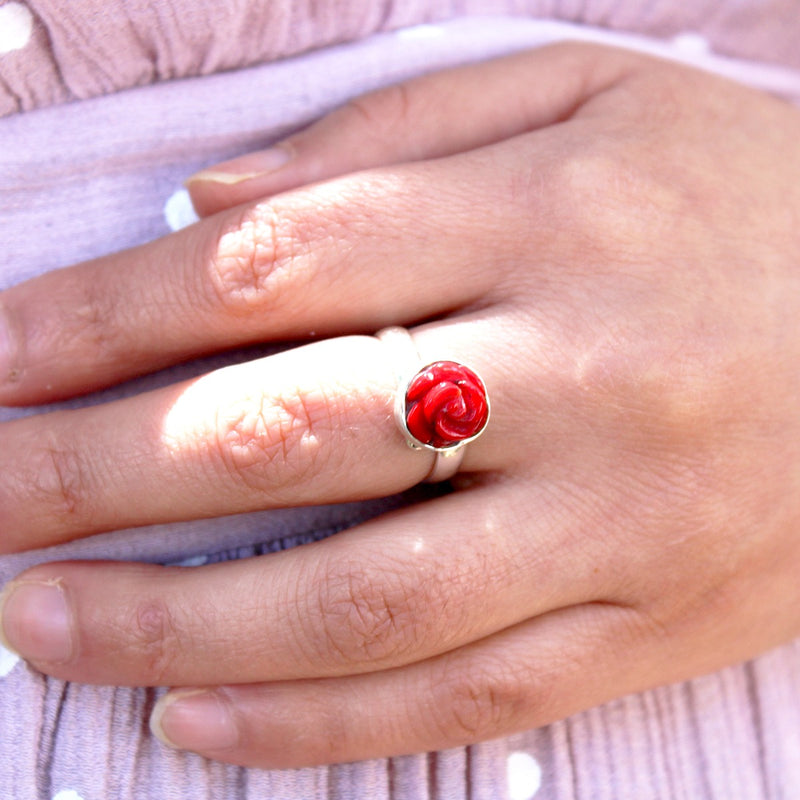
442, 407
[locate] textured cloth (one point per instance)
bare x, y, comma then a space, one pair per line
83, 48
117, 183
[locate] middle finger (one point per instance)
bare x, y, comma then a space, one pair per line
348, 256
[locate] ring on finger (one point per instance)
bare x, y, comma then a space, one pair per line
440, 407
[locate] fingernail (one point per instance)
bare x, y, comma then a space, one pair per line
245, 168
36, 621
198, 720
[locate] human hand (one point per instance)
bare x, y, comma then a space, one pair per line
610, 242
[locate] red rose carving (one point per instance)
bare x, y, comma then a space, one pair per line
445, 404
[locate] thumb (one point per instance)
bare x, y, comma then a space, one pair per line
432, 116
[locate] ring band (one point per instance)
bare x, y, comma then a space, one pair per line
440, 407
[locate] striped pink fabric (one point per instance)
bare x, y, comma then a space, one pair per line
84, 178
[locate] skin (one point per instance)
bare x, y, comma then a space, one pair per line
609, 241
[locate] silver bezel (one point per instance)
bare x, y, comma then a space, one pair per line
400, 412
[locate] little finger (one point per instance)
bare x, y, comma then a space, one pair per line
524, 677
414, 120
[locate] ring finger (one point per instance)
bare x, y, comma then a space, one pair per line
307, 426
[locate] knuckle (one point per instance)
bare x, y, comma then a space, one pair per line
156, 641
610, 203
381, 112
665, 85
48, 493
273, 440
584, 184
59, 483
250, 262
480, 700
367, 615
94, 322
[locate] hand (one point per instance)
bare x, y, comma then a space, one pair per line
609, 241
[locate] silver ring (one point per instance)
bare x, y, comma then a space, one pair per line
441, 406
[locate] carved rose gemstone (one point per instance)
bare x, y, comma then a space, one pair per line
446, 404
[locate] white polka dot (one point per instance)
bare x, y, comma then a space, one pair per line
8, 661
420, 32
691, 43
67, 794
192, 561
16, 26
524, 776
179, 211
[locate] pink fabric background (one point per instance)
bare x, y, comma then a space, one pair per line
84, 48
78, 179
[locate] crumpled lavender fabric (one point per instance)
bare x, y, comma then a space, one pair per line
79, 179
